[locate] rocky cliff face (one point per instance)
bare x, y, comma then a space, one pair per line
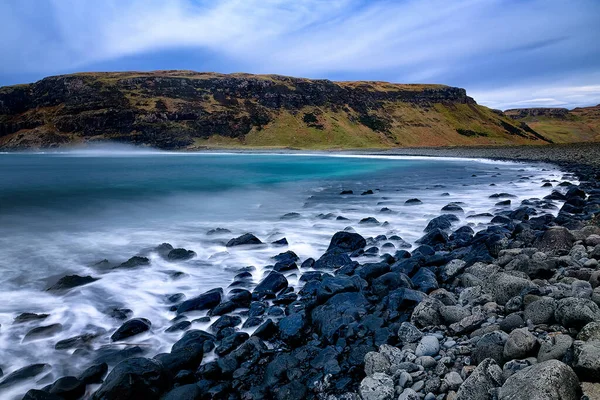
561, 125
519, 113
186, 110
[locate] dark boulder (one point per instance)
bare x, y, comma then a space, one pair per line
333, 260
26, 317
413, 202
71, 281
180, 255
205, 301
94, 373
226, 321
68, 387
266, 330
453, 207
434, 237
280, 242
331, 318
291, 328
135, 378
185, 392
442, 222
194, 338
134, 262
425, 280
240, 297
330, 286
273, 283
372, 270
24, 373
42, 332
245, 239
35, 394
231, 342
131, 328
347, 242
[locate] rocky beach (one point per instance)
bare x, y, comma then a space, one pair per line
509, 312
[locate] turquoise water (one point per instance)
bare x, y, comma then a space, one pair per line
60, 213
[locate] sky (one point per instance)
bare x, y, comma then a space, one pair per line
506, 53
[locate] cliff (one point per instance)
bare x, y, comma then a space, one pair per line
191, 110
561, 125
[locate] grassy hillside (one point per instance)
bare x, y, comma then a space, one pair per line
562, 125
190, 110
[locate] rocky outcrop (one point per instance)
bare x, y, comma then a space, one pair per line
184, 110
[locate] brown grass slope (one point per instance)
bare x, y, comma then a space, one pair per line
190, 110
560, 124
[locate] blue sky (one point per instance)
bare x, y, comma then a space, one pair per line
506, 53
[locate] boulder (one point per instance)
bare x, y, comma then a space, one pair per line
408, 333
205, 301
487, 376
134, 262
68, 388
71, 281
491, 345
332, 260
131, 328
554, 347
245, 239
590, 331
428, 346
540, 311
180, 255
378, 386
520, 344
273, 283
23, 374
504, 286
587, 359
140, 378
549, 380
94, 373
347, 242
556, 238
574, 312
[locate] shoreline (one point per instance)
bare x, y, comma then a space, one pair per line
431, 323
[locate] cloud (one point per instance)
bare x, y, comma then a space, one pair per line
480, 45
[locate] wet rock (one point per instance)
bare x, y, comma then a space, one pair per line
280, 242
134, 262
487, 376
245, 239
218, 231
433, 238
413, 202
576, 313
333, 260
75, 341
226, 321
27, 317
425, 280
205, 301
179, 326
272, 284
71, 281
368, 221
185, 392
229, 343
141, 378
453, 208
180, 255
94, 373
339, 311
43, 332
367, 192
554, 347
442, 222
520, 344
131, 328
290, 215
35, 394
24, 373
343, 192
377, 387
550, 380
68, 387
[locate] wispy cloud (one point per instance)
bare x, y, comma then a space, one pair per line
480, 45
